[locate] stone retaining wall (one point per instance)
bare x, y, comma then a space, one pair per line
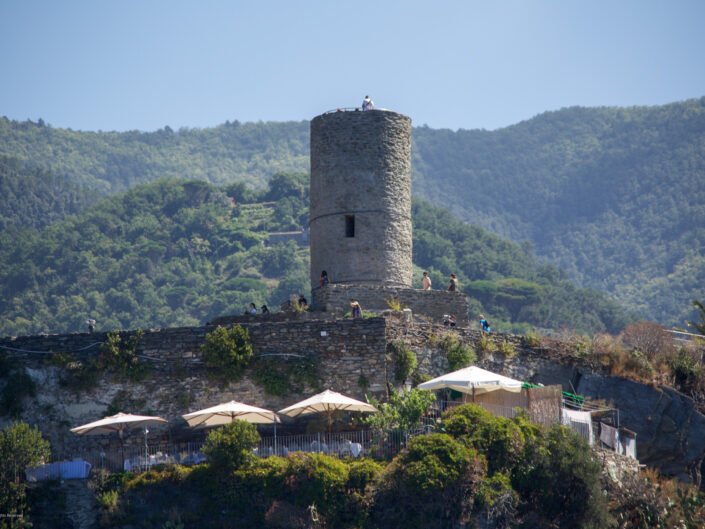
432, 304
670, 430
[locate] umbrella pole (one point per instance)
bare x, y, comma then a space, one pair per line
275, 437
146, 449
122, 450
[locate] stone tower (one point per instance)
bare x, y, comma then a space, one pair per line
360, 210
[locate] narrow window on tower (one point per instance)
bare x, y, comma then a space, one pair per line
350, 225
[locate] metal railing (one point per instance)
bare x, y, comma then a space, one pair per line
376, 444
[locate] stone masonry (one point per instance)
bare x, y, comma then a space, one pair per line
360, 209
432, 304
670, 429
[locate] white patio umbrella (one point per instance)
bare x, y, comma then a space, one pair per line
228, 412
232, 411
120, 423
327, 402
473, 380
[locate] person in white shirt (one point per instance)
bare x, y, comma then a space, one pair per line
367, 103
426, 282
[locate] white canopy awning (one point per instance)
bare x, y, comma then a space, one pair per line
473, 380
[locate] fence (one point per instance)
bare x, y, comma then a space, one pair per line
375, 444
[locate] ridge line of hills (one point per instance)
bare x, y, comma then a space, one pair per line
613, 196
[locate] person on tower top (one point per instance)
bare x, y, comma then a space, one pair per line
367, 103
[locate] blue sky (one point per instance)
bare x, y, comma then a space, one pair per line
123, 65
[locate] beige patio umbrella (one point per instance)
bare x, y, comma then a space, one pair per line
120, 423
327, 402
473, 381
228, 412
232, 411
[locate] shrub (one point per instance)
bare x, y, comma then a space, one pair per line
531, 340
430, 485
459, 355
560, 482
498, 501
109, 500
486, 345
320, 480
404, 410
498, 438
394, 304
230, 447
120, 356
650, 338
227, 351
404, 360
686, 370
361, 473
507, 349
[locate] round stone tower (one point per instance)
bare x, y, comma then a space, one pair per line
360, 217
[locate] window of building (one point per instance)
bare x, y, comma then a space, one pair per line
350, 225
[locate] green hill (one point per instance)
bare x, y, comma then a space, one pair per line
178, 252
116, 161
614, 196
33, 197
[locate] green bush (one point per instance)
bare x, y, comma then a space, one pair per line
686, 370
531, 340
430, 485
404, 410
320, 480
227, 351
361, 473
120, 356
21, 446
560, 481
109, 500
497, 501
230, 447
459, 355
404, 360
501, 440
507, 349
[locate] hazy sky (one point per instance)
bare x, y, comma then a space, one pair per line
121, 65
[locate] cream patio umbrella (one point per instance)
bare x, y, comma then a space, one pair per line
232, 411
228, 412
474, 381
327, 402
120, 423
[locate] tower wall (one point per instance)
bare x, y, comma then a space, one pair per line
360, 210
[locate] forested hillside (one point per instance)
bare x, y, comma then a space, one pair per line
614, 196
113, 161
178, 252
33, 197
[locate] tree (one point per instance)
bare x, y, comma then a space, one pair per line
650, 338
227, 351
403, 411
21, 446
230, 447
